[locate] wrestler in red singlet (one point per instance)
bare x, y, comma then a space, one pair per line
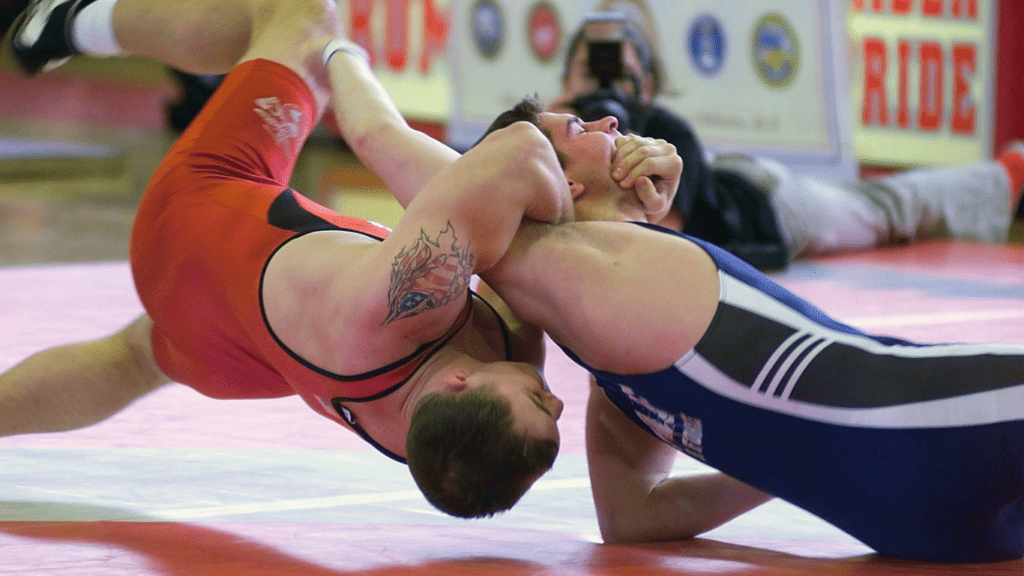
215, 212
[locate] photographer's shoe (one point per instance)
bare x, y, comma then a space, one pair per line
41, 40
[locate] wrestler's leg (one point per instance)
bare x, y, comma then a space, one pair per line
293, 33
211, 36
80, 384
197, 36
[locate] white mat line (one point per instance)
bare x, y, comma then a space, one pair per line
331, 501
928, 319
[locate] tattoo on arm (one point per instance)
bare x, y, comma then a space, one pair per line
428, 275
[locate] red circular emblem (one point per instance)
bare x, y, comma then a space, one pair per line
545, 31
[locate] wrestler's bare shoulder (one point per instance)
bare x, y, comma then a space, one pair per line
345, 301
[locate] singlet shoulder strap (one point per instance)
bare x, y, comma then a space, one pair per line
506, 337
423, 354
350, 419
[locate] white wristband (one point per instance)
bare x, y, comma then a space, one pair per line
343, 45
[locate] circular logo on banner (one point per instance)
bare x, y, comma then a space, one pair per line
488, 25
707, 44
776, 51
544, 30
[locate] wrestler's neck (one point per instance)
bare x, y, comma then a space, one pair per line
387, 419
673, 220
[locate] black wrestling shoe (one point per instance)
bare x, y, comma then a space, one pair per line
41, 40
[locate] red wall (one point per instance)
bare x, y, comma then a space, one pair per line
1009, 111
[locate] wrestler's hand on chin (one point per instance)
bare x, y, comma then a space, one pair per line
652, 168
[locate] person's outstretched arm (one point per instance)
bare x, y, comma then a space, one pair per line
412, 285
636, 497
371, 124
76, 385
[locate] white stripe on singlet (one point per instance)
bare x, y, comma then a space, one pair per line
1001, 405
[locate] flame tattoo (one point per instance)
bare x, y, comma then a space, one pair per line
428, 275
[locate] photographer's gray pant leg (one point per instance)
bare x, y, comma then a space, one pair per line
820, 217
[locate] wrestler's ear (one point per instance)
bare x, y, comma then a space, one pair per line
575, 189
456, 381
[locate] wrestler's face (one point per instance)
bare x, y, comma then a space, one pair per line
586, 150
535, 410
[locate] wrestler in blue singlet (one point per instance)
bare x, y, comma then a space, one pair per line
916, 450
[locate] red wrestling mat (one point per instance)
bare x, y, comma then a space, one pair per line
102, 549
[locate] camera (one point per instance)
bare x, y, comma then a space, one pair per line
605, 34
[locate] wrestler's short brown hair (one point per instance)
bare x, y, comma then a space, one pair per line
466, 457
526, 110
529, 110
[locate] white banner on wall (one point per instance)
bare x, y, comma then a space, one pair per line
767, 77
926, 71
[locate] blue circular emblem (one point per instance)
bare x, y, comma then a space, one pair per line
776, 51
707, 44
488, 26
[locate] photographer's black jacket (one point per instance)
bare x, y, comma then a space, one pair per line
718, 205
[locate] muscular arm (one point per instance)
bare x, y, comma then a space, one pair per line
371, 124
80, 384
486, 194
636, 497
412, 286
587, 284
